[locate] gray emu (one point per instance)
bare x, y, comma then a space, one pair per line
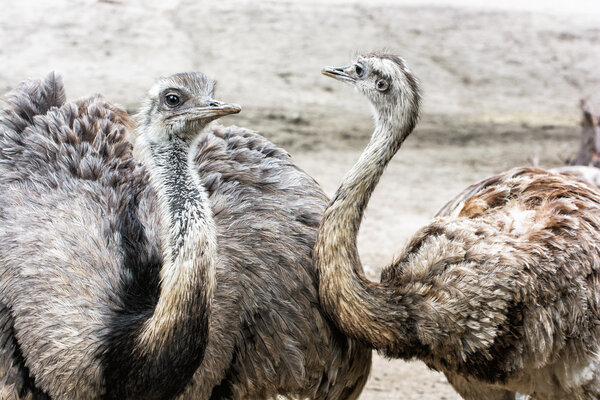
268, 334
501, 291
91, 307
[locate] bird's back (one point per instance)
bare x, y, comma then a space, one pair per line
268, 333
513, 270
68, 183
30, 99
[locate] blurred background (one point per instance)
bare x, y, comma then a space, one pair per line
501, 83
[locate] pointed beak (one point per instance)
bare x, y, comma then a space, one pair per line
338, 73
215, 109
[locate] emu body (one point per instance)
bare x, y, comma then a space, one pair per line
268, 333
500, 291
93, 309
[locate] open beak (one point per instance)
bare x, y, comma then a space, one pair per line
338, 73
215, 109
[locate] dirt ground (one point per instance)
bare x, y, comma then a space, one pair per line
501, 87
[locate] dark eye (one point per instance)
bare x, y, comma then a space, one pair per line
382, 85
172, 100
359, 70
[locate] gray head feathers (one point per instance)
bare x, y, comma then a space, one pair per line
389, 85
180, 105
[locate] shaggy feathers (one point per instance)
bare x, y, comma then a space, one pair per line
540, 228
71, 191
29, 99
500, 291
268, 333
40, 145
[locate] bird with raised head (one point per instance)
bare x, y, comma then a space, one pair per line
91, 306
268, 333
269, 336
501, 291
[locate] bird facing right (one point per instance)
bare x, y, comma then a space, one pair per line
501, 291
268, 335
91, 306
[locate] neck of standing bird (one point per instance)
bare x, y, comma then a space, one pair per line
188, 237
346, 210
358, 306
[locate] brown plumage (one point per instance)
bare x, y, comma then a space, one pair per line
268, 333
500, 291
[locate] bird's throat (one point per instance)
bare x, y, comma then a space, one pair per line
188, 239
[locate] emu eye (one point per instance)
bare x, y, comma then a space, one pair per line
359, 70
172, 100
382, 85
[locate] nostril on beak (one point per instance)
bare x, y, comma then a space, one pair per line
213, 104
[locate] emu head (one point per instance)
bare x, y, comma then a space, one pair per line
181, 106
388, 84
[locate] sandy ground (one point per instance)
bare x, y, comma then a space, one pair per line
501, 87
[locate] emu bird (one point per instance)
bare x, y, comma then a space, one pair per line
268, 334
501, 291
91, 308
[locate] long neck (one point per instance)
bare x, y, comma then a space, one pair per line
168, 344
359, 307
188, 245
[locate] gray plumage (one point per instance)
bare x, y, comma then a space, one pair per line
501, 291
93, 307
590, 175
268, 335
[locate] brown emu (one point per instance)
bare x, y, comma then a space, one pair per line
501, 291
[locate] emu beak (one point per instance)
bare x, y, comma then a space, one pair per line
338, 73
214, 109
